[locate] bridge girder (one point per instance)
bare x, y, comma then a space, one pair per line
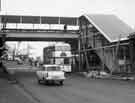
40, 36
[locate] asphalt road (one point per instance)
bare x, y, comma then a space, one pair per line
78, 89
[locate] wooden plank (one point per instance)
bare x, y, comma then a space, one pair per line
98, 48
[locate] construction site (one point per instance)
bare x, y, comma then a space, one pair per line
105, 43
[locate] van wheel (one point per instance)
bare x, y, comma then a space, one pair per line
39, 81
61, 82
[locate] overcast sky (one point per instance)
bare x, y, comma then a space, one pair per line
122, 8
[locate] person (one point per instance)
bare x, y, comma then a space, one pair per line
3, 67
36, 63
65, 28
30, 61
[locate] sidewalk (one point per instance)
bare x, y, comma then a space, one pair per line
13, 67
9, 94
111, 77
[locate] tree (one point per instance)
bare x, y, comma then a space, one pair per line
2, 45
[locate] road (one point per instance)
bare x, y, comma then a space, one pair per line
77, 89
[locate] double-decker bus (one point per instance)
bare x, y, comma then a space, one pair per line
60, 55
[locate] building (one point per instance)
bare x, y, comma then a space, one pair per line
104, 44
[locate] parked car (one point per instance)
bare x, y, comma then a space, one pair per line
51, 73
19, 61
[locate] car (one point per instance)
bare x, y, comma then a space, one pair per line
18, 60
51, 73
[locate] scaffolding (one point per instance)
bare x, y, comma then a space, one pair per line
115, 48
113, 56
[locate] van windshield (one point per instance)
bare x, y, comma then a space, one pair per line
53, 68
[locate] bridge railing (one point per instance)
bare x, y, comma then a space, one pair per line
38, 27
38, 23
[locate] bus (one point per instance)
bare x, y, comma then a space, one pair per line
60, 55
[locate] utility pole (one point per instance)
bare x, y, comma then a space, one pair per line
79, 49
0, 5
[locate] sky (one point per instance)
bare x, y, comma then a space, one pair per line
124, 9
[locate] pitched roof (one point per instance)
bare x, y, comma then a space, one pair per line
110, 26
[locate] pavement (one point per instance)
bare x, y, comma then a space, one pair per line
13, 67
108, 76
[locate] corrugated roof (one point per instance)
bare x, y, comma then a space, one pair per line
110, 26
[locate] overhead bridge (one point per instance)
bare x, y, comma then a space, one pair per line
39, 28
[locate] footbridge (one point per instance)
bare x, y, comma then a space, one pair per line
39, 28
